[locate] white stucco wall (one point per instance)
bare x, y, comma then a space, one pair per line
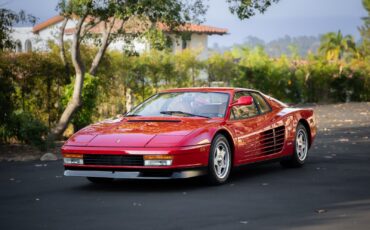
21, 35
138, 45
198, 42
176, 43
40, 40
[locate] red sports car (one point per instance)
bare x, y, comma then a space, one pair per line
182, 133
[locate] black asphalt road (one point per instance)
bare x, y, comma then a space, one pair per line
332, 191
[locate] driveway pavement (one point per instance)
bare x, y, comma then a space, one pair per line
332, 191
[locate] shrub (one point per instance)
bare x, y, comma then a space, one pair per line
27, 129
38, 85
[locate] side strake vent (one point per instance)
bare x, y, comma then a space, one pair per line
273, 140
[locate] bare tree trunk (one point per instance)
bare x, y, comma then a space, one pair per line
105, 43
62, 48
75, 101
99, 55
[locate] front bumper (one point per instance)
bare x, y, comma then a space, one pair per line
187, 173
187, 162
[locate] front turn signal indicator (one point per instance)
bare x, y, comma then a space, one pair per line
158, 160
73, 158
158, 157
73, 155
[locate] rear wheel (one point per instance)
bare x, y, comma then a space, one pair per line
301, 145
100, 180
219, 164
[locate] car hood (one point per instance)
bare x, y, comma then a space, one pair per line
139, 132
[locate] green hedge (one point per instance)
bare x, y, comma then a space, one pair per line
34, 88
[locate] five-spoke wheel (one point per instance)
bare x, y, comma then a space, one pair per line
301, 145
219, 166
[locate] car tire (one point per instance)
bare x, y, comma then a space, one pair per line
301, 146
100, 180
220, 158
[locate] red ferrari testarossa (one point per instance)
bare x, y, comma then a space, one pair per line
182, 133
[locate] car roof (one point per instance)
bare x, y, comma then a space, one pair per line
207, 89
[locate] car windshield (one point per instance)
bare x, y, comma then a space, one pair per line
200, 104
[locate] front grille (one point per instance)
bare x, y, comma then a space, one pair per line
115, 160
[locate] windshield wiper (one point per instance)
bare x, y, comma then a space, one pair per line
181, 112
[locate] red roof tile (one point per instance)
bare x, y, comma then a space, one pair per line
187, 27
47, 23
194, 28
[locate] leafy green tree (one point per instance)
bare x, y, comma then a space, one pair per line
334, 45
222, 67
112, 16
188, 66
160, 69
245, 9
158, 40
255, 67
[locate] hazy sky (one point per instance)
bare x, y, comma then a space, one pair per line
288, 17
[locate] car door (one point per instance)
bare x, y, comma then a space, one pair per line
272, 136
246, 123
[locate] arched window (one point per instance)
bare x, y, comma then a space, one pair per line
18, 46
28, 46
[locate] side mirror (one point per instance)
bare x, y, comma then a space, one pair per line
244, 100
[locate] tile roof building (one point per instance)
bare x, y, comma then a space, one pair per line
36, 38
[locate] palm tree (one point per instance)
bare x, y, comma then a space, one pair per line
335, 45
365, 30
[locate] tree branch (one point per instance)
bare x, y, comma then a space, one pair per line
104, 45
88, 27
62, 48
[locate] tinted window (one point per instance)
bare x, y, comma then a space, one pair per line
261, 102
244, 111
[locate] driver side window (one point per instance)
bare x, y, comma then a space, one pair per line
243, 111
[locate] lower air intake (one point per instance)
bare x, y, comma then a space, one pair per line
114, 160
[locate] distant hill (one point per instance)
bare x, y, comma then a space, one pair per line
287, 45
